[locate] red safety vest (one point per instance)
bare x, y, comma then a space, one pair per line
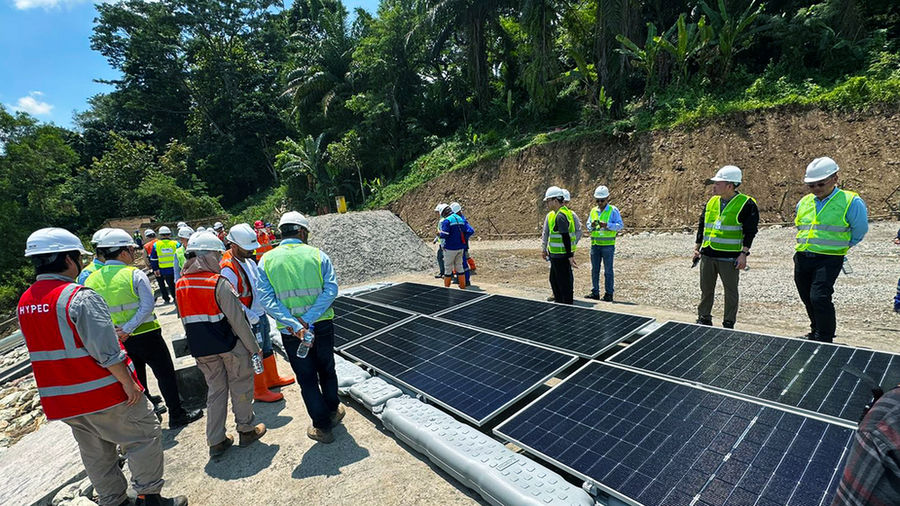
262, 237
148, 246
70, 382
243, 288
205, 326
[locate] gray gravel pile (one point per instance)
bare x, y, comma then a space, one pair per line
369, 245
20, 407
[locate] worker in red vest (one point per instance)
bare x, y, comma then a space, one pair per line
221, 341
84, 376
264, 237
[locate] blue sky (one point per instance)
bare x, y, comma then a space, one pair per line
47, 67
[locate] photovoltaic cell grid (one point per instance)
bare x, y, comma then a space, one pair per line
583, 331
803, 374
471, 372
655, 441
355, 319
419, 298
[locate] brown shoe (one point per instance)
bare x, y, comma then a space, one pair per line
338, 415
252, 435
218, 449
320, 435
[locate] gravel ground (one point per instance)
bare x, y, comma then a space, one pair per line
653, 270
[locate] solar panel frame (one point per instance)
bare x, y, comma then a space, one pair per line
369, 304
452, 292
498, 430
444, 315
857, 383
478, 422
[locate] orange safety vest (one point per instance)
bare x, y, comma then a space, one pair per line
205, 326
262, 237
243, 288
148, 246
70, 382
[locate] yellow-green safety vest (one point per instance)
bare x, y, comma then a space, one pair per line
165, 252
555, 243
828, 231
295, 271
179, 252
723, 230
602, 236
115, 283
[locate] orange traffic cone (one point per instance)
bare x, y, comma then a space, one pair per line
261, 393
270, 371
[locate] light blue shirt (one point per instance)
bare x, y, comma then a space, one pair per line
146, 300
857, 216
615, 219
83, 275
266, 293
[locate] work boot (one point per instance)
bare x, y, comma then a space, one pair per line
155, 399
704, 320
252, 435
338, 415
551, 299
811, 335
607, 297
184, 418
592, 295
438, 276
462, 283
158, 410
158, 500
320, 435
447, 281
270, 371
218, 449
261, 393
728, 324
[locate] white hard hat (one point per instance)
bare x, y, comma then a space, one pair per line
185, 232
729, 174
115, 238
566, 195
98, 234
293, 218
53, 240
553, 192
164, 230
204, 241
601, 192
149, 232
819, 169
201, 229
440, 208
218, 225
455, 207
181, 224
244, 236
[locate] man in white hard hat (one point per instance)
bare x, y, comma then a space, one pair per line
297, 285
455, 231
829, 222
127, 291
96, 263
728, 225
560, 245
184, 234
439, 209
85, 378
604, 222
219, 230
149, 241
162, 262
221, 341
456, 208
239, 267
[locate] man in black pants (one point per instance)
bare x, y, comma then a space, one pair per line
560, 246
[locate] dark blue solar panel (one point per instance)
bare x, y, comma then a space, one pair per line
583, 331
419, 298
356, 319
473, 373
803, 374
655, 441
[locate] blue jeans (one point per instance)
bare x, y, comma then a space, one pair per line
605, 255
315, 373
261, 330
897, 298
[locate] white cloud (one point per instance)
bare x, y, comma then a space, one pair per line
44, 4
32, 105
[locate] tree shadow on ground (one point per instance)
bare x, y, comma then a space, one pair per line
239, 462
328, 459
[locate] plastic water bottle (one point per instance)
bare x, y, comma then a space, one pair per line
257, 363
302, 350
846, 267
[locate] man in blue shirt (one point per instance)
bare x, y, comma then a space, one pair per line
455, 231
604, 222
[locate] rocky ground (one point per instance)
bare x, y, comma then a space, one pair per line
20, 406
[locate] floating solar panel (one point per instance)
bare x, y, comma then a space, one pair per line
473, 373
653, 441
803, 374
356, 319
583, 331
419, 298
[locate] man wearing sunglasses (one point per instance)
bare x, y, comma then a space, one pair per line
604, 223
829, 222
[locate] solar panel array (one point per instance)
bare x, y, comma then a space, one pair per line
803, 374
473, 373
655, 441
356, 319
583, 331
419, 298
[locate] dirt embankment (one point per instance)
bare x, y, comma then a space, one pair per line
657, 178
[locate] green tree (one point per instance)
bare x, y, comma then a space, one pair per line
732, 33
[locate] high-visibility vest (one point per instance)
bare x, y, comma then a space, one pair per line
826, 232
179, 252
205, 326
555, 243
439, 229
265, 244
115, 283
244, 289
88, 270
165, 252
148, 246
295, 271
602, 236
70, 382
723, 230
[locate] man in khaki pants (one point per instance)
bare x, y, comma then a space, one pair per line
221, 340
